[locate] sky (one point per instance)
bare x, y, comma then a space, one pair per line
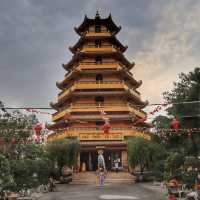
163, 39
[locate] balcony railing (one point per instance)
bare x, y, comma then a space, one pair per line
87, 85
103, 65
97, 134
107, 107
81, 85
98, 108
101, 49
101, 34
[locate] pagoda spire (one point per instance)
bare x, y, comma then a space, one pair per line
97, 16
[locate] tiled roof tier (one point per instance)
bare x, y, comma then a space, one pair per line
73, 74
136, 101
112, 39
77, 57
98, 20
59, 124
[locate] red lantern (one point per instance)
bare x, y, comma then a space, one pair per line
175, 124
171, 197
106, 127
38, 129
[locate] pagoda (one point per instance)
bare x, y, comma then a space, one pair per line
98, 80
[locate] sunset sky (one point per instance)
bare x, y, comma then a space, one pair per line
163, 39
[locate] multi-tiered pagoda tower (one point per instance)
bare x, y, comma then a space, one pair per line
98, 79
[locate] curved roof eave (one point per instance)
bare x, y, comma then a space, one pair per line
88, 21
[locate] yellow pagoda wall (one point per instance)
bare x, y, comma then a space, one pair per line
92, 43
107, 99
92, 28
115, 124
105, 59
106, 77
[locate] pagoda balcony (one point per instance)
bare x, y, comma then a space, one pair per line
104, 34
103, 65
81, 85
93, 85
106, 107
98, 134
91, 49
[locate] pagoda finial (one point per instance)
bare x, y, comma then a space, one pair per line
97, 16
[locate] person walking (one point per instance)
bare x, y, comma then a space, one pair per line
101, 176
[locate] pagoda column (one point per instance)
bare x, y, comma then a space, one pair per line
125, 160
78, 162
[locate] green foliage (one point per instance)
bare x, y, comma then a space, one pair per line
146, 154
6, 178
14, 130
63, 152
192, 162
173, 164
21, 164
185, 90
29, 173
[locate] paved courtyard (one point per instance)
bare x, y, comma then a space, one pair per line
109, 191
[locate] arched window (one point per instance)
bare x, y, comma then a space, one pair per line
97, 43
100, 122
97, 28
99, 77
99, 99
98, 60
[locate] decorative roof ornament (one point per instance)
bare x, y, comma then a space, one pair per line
97, 16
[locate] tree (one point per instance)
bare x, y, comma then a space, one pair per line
15, 129
63, 153
186, 89
173, 164
23, 163
144, 153
6, 178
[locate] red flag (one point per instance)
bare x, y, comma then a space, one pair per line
38, 128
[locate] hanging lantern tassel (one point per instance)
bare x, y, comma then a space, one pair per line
175, 124
190, 133
38, 128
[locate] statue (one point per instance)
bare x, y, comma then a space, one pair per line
101, 161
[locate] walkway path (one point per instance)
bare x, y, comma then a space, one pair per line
110, 191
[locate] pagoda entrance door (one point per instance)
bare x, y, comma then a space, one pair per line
88, 161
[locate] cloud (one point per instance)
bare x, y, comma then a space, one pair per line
172, 49
163, 40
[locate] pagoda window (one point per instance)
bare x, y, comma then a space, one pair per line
98, 60
97, 28
99, 100
97, 43
100, 122
99, 78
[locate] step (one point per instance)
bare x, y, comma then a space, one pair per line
111, 177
